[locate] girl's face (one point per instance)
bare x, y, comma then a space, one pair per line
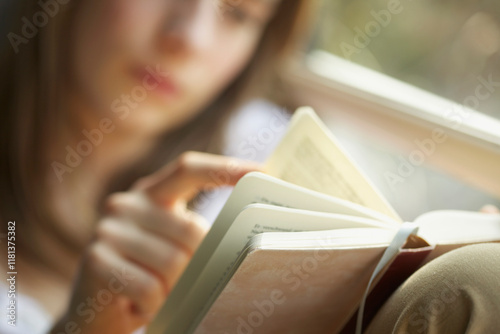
151, 65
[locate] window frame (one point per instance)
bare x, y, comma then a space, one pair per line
398, 113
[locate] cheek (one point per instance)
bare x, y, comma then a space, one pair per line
207, 74
132, 24
108, 35
229, 58
124, 24
233, 61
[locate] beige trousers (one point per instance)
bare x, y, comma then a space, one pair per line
459, 292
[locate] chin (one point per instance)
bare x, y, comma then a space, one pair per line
145, 122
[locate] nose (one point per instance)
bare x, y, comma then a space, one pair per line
191, 26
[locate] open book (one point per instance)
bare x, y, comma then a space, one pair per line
300, 248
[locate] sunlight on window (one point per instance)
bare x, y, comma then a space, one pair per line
450, 48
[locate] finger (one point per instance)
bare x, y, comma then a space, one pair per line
490, 209
182, 179
124, 278
182, 227
165, 259
102, 321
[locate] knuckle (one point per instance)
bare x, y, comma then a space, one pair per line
149, 289
186, 160
96, 259
115, 201
196, 225
105, 228
175, 263
176, 259
141, 183
191, 230
94, 252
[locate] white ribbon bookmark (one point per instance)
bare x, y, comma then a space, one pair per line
396, 244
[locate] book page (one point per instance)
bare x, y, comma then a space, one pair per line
256, 219
310, 156
253, 188
458, 227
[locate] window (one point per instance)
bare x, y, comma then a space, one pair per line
385, 75
450, 48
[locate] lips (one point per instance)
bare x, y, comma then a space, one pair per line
155, 80
167, 86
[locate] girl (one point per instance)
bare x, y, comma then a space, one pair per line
103, 103
97, 95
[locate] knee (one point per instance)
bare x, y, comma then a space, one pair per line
470, 266
458, 289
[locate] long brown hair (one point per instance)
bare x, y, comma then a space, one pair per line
31, 119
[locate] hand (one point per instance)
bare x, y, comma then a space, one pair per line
143, 245
490, 209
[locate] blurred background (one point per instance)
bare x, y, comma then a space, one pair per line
442, 46
448, 48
